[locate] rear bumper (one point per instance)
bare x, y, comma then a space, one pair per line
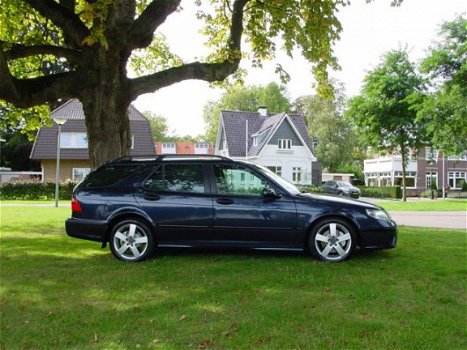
91, 230
382, 238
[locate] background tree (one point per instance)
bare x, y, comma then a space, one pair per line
336, 144
247, 99
383, 113
444, 111
159, 126
97, 39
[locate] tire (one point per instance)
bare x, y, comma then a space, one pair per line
332, 240
341, 194
131, 240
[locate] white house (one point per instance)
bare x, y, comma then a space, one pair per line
277, 141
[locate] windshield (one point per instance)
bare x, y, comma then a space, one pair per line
291, 188
344, 184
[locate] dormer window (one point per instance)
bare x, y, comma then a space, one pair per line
255, 141
285, 144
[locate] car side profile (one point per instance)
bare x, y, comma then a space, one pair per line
137, 205
341, 188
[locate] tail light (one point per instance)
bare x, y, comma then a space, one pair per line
75, 206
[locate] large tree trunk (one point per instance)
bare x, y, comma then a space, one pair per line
105, 106
108, 128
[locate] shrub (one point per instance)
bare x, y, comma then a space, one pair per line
464, 187
381, 192
312, 189
35, 190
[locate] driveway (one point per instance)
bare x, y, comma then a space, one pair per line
436, 219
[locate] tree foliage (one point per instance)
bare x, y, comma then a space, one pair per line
384, 113
246, 99
336, 144
445, 109
97, 39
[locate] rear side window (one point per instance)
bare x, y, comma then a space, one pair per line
109, 175
186, 178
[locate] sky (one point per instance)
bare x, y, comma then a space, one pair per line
369, 31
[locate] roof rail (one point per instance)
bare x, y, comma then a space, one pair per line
160, 157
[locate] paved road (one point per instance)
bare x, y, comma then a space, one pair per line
437, 219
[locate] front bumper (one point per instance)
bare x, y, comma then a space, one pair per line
381, 238
91, 230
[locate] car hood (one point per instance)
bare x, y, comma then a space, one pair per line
337, 200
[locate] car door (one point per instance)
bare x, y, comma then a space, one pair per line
242, 215
177, 198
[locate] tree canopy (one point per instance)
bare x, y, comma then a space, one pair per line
335, 138
384, 113
444, 110
246, 99
96, 40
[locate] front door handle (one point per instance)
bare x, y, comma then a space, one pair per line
151, 197
225, 201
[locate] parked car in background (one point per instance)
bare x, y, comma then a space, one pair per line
139, 204
341, 188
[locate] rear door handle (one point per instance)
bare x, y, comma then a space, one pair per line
225, 201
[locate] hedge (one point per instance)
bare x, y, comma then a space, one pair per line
35, 190
381, 192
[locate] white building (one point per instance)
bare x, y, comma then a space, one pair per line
277, 141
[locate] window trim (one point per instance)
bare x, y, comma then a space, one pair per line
284, 144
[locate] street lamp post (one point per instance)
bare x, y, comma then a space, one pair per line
59, 122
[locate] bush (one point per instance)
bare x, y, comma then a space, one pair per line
312, 189
35, 190
381, 192
464, 186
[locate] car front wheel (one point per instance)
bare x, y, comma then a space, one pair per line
332, 240
131, 240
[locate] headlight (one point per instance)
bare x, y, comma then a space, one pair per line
378, 214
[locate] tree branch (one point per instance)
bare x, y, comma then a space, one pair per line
21, 51
203, 71
74, 30
142, 30
25, 93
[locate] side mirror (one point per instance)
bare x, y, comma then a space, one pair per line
270, 194
336, 186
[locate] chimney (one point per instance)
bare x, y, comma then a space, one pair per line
263, 111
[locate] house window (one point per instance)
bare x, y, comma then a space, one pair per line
168, 148
410, 179
255, 141
462, 156
276, 170
201, 148
73, 140
296, 175
457, 179
431, 177
80, 173
285, 144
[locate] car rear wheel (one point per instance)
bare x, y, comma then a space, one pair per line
131, 240
332, 240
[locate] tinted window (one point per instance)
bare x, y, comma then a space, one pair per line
231, 179
109, 175
177, 178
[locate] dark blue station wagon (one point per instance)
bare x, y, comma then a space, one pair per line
139, 204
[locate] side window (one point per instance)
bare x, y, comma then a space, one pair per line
108, 175
238, 180
177, 178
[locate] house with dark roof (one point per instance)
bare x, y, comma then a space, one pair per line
279, 142
74, 155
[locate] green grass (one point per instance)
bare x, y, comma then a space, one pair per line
63, 293
426, 205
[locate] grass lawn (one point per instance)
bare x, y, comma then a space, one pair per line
62, 293
426, 205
